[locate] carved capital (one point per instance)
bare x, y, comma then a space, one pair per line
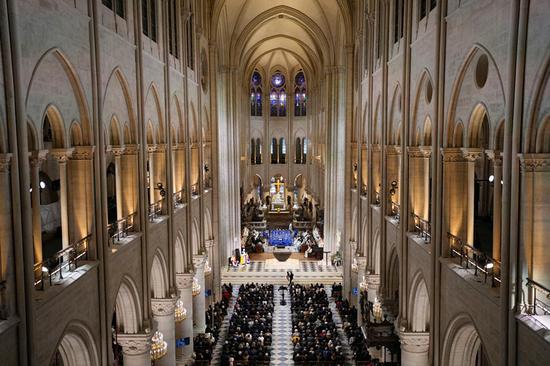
415, 342
5, 163
134, 344
131, 149
209, 243
83, 153
361, 262
393, 149
471, 154
199, 260
184, 281
452, 155
62, 155
375, 147
373, 280
163, 307
534, 162
495, 157
36, 158
118, 150
419, 151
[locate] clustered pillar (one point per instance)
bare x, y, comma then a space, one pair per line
136, 349
163, 313
184, 328
199, 303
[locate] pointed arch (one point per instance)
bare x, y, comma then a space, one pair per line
419, 304
118, 90
180, 253
376, 252
53, 121
153, 112
195, 237
461, 343
128, 307
77, 346
159, 276
53, 61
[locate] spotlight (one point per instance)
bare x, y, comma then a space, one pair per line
491, 178
489, 265
42, 184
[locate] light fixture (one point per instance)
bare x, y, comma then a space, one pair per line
501, 182
159, 347
180, 312
377, 310
42, 184
196, 287
491, 178
489, 265
45, 269
30, 190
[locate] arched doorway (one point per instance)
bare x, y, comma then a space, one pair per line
462, 344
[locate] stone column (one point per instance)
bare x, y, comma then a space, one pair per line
361, 276
62, 155
163, 314
455, 195
152, 184
415, 348
184, 329
6, 225
419, 180
496, 157
36, 159
130, 195
373, 283
136, 349
471, 155
199, 303
117, 153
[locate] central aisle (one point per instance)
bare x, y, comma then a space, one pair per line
281, 347
340, 327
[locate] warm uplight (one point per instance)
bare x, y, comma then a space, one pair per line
180, 312
196, 287
158, 346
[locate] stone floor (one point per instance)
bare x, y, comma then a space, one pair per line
281, 347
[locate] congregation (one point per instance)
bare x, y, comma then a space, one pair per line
203, 343
248, 340
314, 332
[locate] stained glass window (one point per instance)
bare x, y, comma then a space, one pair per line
277, 96
300, 95
256, 94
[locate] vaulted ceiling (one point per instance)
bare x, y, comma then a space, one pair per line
288, 34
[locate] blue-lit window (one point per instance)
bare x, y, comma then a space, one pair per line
256, 94
300, 95
277, 96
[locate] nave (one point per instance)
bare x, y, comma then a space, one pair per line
298, 324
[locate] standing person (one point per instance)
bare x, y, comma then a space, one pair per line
290, 278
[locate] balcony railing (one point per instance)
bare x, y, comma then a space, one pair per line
64, 260
422, 227
395, 209
539, 299
120, 228
179, 198
471, 258
155, 210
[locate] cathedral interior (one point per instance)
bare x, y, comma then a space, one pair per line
284, 182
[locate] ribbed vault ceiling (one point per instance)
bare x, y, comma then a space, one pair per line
286, 34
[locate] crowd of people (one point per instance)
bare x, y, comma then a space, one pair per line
203, 343
249, 337
354, 333
314, 335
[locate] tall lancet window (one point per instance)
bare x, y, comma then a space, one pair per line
256, 94
300, 96
277, 97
